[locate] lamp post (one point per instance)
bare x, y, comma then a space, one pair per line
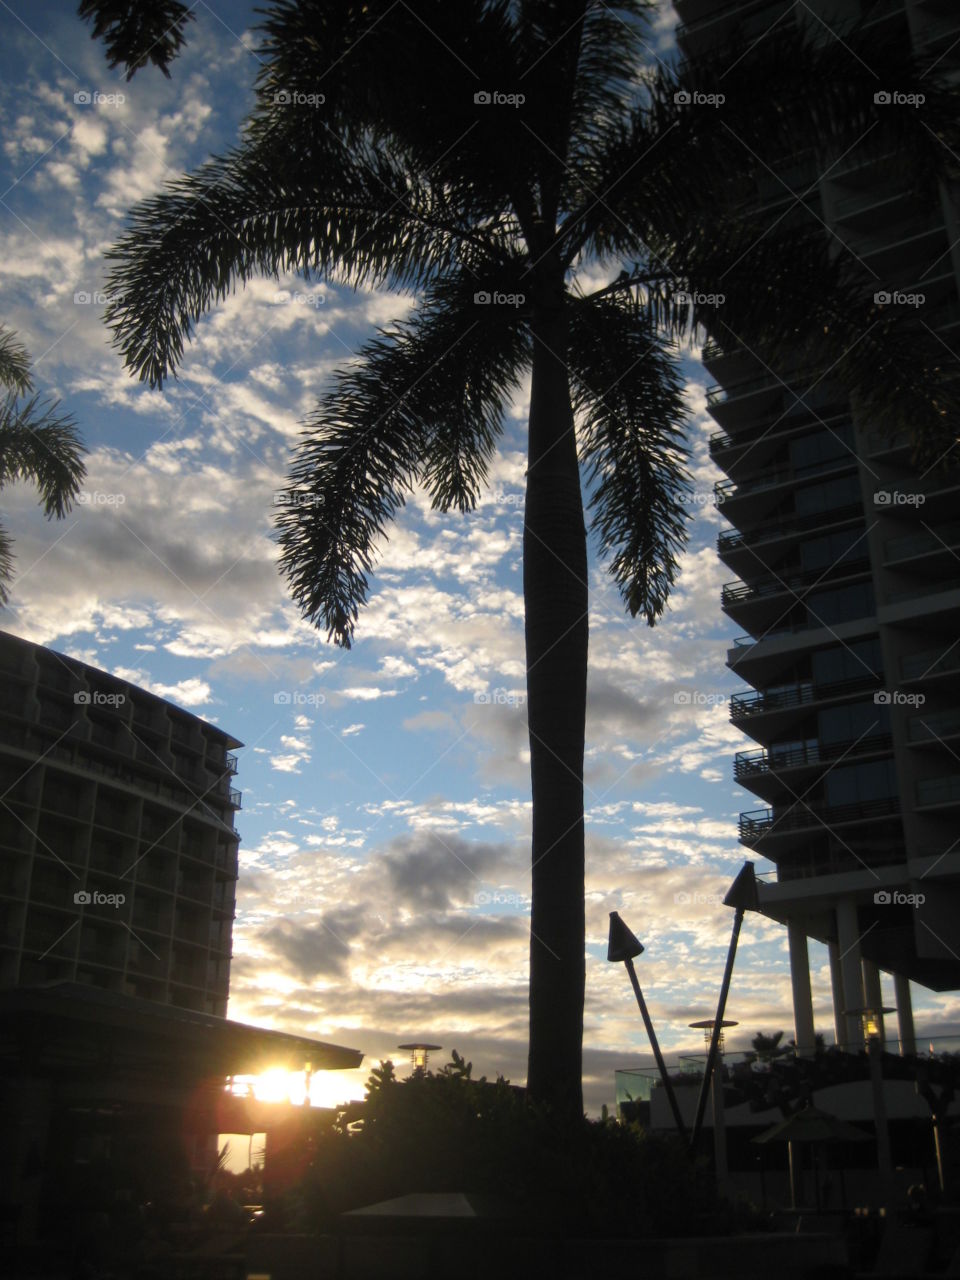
707, 1025
623, 945
871, 1017
420, 1052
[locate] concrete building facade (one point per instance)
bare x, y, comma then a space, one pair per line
118, 854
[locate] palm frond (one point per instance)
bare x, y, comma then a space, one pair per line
627, 393
261, 211
6, 564
37, 443
14, 362
136, 33
423, 404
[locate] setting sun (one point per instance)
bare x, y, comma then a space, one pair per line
327, 1088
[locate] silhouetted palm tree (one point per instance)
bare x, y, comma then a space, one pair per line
36, 444
497, 158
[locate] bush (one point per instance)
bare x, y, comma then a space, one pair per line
445, 1132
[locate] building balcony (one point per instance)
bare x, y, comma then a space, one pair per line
931, 552
735, 594
935, 728
768, 826
932, 663
730, 493
735, 547
745, 706
938, 793
753, 766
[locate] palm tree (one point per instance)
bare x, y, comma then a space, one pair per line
36, 443
483, 155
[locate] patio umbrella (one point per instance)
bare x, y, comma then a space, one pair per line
809, 1126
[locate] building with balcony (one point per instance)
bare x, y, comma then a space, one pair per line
846, 579
118, 854
118, 874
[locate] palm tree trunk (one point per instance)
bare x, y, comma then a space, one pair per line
555, 603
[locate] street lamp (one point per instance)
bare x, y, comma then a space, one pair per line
713, 1030
871, 1022
420, 1053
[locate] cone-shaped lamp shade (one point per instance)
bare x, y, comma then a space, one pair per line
621, 945
742, 894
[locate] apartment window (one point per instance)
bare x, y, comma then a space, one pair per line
829, 496
847, 724
848, 662
843, 604
861, 783
824, 553
822, 447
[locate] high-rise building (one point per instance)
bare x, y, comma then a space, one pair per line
847, 564
118, 855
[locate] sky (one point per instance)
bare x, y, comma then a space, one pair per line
384, 867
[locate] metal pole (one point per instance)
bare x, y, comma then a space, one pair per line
717, 1028
654, 1044
884, 1161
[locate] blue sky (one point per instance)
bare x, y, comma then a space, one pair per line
384, 882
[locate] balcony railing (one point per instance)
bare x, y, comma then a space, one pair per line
917, 544
929, 728
752, 764
745, 592
733, 539
730, 490
744, 705
762, 824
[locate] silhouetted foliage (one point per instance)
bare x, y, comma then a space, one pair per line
136, 32
37, 444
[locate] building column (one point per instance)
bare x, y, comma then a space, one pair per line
908, 1039
873, 994
802, 996
851, 980
836, 990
